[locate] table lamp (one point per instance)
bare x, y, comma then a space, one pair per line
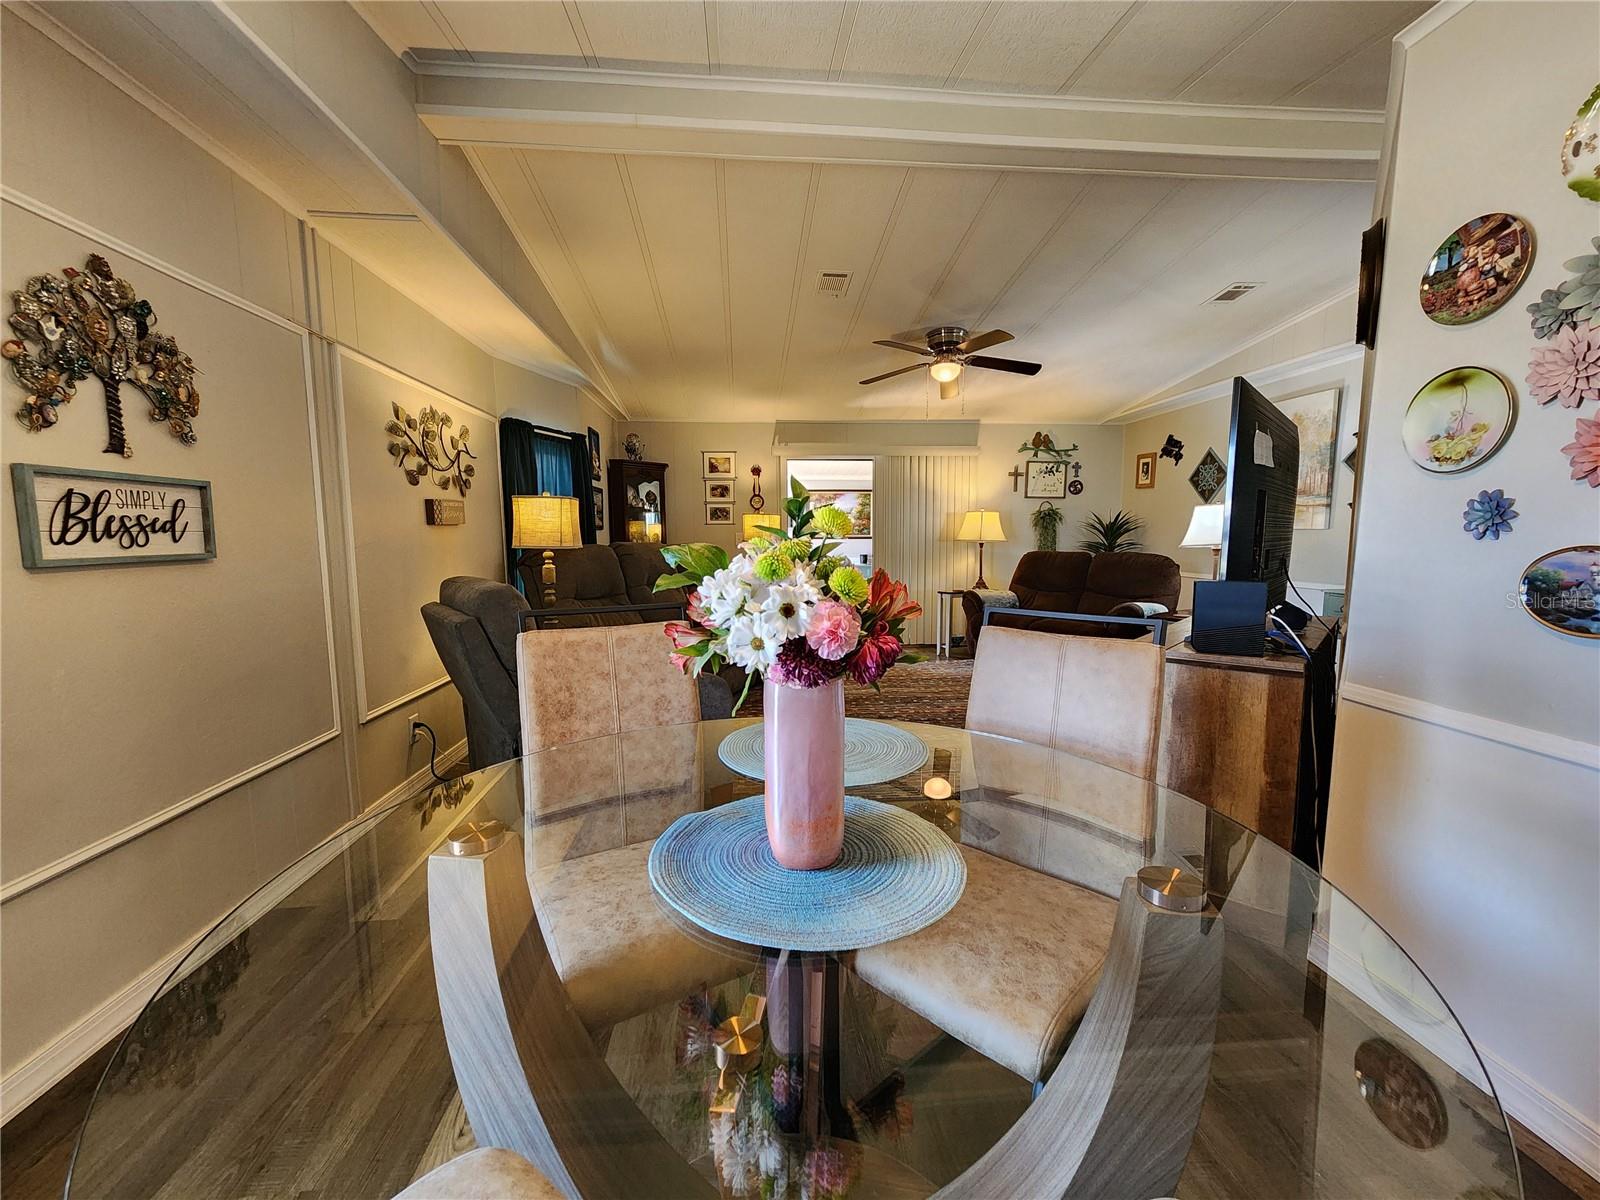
756, 524
645, 528
547, 523
1205, 529
981, 525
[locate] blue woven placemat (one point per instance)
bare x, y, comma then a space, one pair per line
873, 752
897, 874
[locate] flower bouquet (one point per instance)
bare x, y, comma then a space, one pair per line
789, 608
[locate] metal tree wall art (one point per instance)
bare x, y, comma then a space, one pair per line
92, 323
424, 446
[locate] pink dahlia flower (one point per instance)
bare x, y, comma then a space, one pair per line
1584, 452
879, 650
1567, 367
834, 630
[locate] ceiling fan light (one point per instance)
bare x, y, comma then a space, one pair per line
945, 372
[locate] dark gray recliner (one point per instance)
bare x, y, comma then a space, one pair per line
474, 627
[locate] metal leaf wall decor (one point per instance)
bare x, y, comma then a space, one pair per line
91, 323
423, 446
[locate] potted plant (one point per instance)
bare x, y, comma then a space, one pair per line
788, 608
1108, 535
1046, 521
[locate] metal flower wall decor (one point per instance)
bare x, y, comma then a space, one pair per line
424, 446
90, 322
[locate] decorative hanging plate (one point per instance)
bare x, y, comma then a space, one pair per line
1561, 590
1458, 419
1477, 269
896, 874
873, 752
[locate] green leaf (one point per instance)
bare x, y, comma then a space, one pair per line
745, 691
773, 530
910, 657
797, 490
666, 582
696, 558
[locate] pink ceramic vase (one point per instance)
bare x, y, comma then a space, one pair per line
804, 749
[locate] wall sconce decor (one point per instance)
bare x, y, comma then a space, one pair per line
423, 445
92, 323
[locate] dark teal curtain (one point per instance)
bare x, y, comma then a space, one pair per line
533, 461
519, 476
578, 452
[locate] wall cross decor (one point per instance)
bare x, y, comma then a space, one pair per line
1014, 474
91, 323
424, 446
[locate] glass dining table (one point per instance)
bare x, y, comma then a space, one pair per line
487, 964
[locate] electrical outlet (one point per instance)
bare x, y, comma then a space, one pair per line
415, 721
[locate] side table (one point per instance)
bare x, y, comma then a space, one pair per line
944, 621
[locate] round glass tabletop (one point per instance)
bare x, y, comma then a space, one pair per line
391, 1000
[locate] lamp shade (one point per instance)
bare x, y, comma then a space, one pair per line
754, 523
1205, 527
544, 522
981, 525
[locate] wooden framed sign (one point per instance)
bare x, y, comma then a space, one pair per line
76, 517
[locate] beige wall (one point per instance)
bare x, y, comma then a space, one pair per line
1465, 813
174, 735
679, 444
1319, 556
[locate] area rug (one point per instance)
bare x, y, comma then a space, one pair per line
934, 692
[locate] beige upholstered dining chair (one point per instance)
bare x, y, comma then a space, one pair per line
1012, 967
612, 757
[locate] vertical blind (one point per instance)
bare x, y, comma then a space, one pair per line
918, 502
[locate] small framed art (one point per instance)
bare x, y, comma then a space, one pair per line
718, 464
1144, 470
1047, 479
719, 514
719, 491
599, 508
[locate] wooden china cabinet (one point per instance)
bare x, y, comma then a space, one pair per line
637, 498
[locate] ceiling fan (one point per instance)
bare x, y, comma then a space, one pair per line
952, 351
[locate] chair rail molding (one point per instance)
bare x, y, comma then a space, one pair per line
1519, 737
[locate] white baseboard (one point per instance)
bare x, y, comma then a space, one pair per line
1519, 737
1566, 1131
46, 1067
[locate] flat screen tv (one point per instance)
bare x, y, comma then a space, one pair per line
1263, 471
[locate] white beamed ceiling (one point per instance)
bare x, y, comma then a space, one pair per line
690, 271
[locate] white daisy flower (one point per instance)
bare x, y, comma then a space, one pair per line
750, 645
789, 610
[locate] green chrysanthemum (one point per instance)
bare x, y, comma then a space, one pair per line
827, 566
759, 546
833, 522
796, 549
773, 566
848, 584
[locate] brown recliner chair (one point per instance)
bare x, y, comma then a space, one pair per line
1061, 591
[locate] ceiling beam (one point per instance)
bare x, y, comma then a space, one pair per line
513, 104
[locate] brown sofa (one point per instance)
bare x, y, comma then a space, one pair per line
604, 577
1083, 585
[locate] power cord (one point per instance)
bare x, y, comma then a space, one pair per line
433, 748
1315, 616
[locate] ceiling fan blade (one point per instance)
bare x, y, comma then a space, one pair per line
1004, 364
892, 374
951, 390
904, 346
982, 341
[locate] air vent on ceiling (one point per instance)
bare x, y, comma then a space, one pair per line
833, 284
1234, 291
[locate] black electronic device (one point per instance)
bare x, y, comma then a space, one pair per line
1263, 475
1230, 617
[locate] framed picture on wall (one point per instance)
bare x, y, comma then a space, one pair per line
719, 490
594, 456
719, 514
1316, 416
599, 508
718, 464
1047, 479
1144, 470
